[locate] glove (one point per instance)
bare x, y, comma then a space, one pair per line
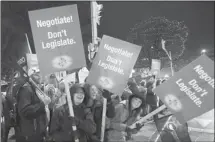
46, 100
74, 121
94, 138
139, 126
128, 129
131, 81
106, 94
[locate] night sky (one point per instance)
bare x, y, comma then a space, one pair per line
119, 17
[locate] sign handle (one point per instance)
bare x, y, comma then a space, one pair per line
29, 47
71, 111
103, 118
142, 120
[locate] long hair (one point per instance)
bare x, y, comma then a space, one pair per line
87, 88
136, 111
87, 91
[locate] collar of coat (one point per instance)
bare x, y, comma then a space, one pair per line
125, 103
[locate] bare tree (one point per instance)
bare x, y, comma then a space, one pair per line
149, 34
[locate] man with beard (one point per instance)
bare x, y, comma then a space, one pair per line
32, 118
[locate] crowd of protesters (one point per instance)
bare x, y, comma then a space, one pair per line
34, 123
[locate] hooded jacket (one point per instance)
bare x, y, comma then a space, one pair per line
96, 110
61, 127
31, 113
123, 118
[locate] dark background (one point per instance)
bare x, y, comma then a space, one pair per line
118, 18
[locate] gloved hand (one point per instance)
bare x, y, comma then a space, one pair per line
131, 81
74, 121
94, 138
139, 126
45, 99
134, 130
128, 129
106, 94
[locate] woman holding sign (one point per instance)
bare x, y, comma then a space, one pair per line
94, 102
127, 112
61, 129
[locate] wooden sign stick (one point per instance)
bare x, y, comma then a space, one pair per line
71, 111
103, 118
142, 120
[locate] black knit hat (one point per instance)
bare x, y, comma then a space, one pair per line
141, 97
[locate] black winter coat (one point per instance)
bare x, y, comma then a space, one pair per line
97, 109
32, 118
61, 127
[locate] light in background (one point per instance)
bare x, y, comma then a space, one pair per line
166, 76
203, 51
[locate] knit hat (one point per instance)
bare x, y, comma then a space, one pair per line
141, 97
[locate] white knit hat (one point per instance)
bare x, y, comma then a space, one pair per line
33, 70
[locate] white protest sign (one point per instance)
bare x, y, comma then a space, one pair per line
82, 74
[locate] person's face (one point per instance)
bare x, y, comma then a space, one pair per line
53, 81
152, 79
79, 97
94, 92
37, 78
136, 103
150, 88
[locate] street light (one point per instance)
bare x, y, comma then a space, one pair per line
166, 76
203, 51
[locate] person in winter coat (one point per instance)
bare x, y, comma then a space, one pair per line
61, 129
32, 118
135, 89
94, 101
140, 90
125, 95
127, 112
152, 99
116, 99
52, 89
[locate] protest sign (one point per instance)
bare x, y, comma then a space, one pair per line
203, 123
190, 92
83, 74
32, 61
60, 75
155, 67
113, 64
19, 50
18, 53
70, 78
57, 39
